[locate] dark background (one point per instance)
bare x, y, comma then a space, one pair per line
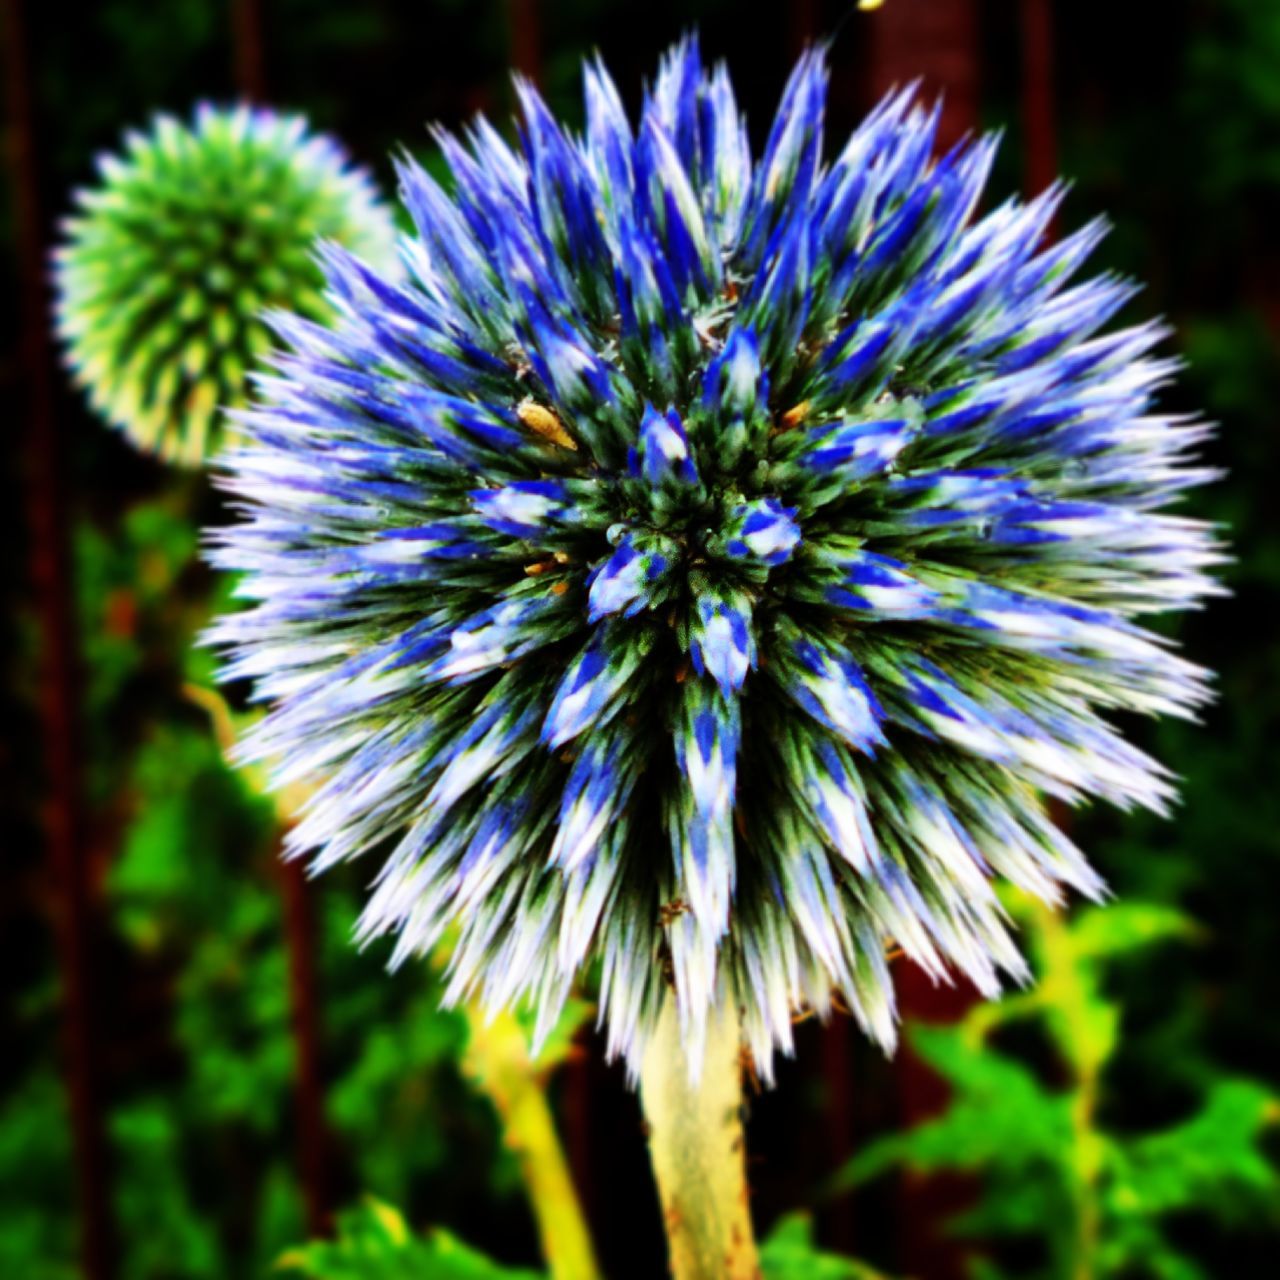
215, 1010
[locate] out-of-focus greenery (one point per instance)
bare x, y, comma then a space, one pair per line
790, 1253
375, 1243
194, 896
1099, 1201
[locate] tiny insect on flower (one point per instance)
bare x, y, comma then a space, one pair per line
703, 569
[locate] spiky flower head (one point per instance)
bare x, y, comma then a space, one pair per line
706, 568
171, 257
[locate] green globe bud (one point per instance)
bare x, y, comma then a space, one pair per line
171, 260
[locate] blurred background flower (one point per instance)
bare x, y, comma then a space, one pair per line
189, 235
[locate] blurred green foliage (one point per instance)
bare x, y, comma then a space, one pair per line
1100, 1201
196, 911
374, 1243
791, 1253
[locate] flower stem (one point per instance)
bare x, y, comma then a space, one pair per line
497, 1062
697, 1149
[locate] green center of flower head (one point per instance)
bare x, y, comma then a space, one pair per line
696, 522
671, 519
702, 567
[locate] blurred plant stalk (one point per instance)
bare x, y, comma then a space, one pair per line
497, 1062
1088, 1039
313, 1140
698, 1151
1085, 1033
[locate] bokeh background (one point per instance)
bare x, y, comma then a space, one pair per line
198, 1070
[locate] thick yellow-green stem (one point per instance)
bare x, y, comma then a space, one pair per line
697, 1149
1087, 1039
497, 1062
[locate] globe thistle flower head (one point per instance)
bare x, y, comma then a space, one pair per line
702, 568
172, 256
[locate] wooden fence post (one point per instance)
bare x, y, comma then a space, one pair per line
51, 573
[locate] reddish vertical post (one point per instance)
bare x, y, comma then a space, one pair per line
1039, 156
313, 1146
802, 24
59, 713
935, 41
838, 1123
576, 1104
525, 38
926, 1204
931, 40
246, 48
248, 51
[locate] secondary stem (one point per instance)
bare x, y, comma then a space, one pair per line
497, 1061
697, 1149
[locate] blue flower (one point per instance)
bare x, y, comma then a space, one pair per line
704, 570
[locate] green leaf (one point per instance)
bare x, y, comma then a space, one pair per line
157, 1214
1211, 1161
374, 1243
790, 1253
1051, 1169
1102, 932
1000, 1114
